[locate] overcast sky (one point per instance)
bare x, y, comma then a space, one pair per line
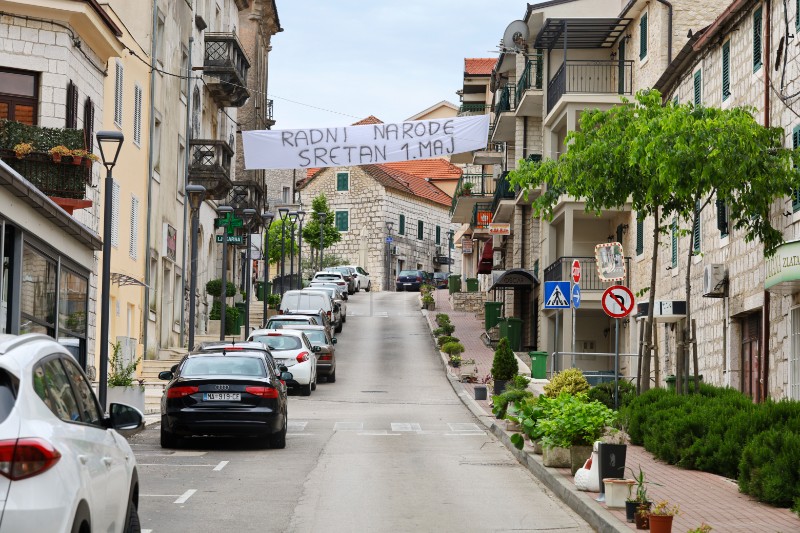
350, 59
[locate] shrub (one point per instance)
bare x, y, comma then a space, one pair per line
770, 467
453, 348
231, 317
427, 298
442, 319
573, 420
214, 288
273, 301
504, 365
501, 401
444, 339
447, 329
570, 381
604, 393
120, 374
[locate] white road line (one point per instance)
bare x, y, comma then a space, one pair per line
463, 426
383, 433
167, 464
147, 531
339, 426
405, 426
220, 466
466, 434
159, 495
297, 425
185, 496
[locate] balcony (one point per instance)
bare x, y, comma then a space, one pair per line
210, 166
481, 216
471, 189
530, 96
504, 118
246, 194
590, 77
469, 110
226, 65
561, 270
504, 200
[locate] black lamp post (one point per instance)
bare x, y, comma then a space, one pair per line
322, 217
300, 216
196, 194
224, 210
449, 249
389, 226
292, 220
266, 219
111, 142
249, 216
283, 212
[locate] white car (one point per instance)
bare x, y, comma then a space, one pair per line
331, 277
292, 349
362, 278
64, 466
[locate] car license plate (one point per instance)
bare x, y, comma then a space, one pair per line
407, 284
222, 396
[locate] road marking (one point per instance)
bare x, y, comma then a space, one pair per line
221, 465
339, 426
185, 496
463, 426
382, 433
167, 464
147, 531
159, 495
297, 425
466, 434
405, 426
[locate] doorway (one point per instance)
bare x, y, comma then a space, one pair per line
751, 356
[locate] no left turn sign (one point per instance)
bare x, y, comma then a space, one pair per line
617, 301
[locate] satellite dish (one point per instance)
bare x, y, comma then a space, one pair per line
516, 36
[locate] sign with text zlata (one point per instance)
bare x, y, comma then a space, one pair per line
367, 144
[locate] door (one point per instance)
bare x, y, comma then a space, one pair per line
751, 356
166, 306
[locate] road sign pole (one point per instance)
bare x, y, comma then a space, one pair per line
555, 346
573, 337
616, 366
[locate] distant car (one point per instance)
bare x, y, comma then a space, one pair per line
279, 321
332, 277
326, 356
224, 394
319, 315
410, 280
349, 275
292, 349
342, 291
440, 280
64, 465
337, 300
241, 346
362, 278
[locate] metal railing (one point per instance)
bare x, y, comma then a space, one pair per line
472, 109
590, 77
531, 76
503, 191
482, 215
61, 180
227, 64
480, 185
210, 166
246, 194
561, 270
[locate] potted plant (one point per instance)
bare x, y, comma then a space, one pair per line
123, 387
23, 149
455, 361
504, 365
661, 517
453, 349
427, 301
640, 504
466, 188
57, 152
611, 452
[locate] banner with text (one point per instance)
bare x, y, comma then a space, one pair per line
368, 144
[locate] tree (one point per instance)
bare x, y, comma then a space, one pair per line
275, 239
330, 235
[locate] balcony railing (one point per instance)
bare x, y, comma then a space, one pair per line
506, 101
590, 77
472, 109
246, 194
561, 270
210, 166
531, 76
60, 180
503, 191
226, 64
482, 215
479, 185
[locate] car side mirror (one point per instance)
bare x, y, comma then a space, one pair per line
337, 307
173, 368
166, 375
125, 419
287, 376
283, 368
316, 349
333, 340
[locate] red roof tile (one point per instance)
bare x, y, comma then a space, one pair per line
479, 66
434, 169
369, 120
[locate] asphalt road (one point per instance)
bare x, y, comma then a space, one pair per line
388, 447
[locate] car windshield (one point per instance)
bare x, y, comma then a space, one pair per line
279, 343
316, 336
440, 275
409, 273
274, 324
226, 365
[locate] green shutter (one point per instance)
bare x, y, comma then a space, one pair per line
696, 229
342, 181
797, 14
796, 195
639, 237
726, 70
757, 39
643, 36
722, 218
698, 88
675, 100
342, 222
451, 239
402, 230
419, 230
438, 235
674, 261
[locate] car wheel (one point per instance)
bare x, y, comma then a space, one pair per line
332, 377
338, 329
344, 319
278, 440
169, 440
133, 525
305, 390
314, 385
369, 286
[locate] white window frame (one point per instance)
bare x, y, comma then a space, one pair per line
119, 81
114, 214
137, 115
133, 248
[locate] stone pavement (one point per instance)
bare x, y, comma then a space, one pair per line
702, 497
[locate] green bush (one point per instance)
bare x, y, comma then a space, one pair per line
574, 421
120, 374
442, 319
231, 318
453, 348
447, 329
510, 395
504, 365
570, 381
273, 301
214, 288
604, 393
770, 467
444, 339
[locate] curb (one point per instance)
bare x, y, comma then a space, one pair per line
596, 516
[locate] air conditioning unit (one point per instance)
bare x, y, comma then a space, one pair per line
715, 281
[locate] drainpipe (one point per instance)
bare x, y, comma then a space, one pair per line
147, 273
764, 367
185, 183
669, 30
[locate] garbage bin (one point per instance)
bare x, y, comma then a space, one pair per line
491, 314
454, 284
472, 284
260, 291
511, 328
240, 321
538, 364
671, 382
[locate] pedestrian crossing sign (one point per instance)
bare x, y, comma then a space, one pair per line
557, 294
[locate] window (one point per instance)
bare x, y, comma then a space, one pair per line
675, 100
184, 72
438, 235
157, 146
90, 409
114, 214
726, 70
37, 305
160, 44
402, 230
639, 237
796, 195
698, 88
722, 218
181, 166
153, 284
643, 36
757, 39
88, 124
72, 106
118, 94
420, 230
51, 384
19, 96
134, 243
342, 181
137, 115
794, 356
342, 220
674, 234
797, 14
287, 192
696, 229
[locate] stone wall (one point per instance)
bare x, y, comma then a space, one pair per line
468, 302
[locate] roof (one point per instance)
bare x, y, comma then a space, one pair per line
479, 66
434, 107
369, 120
433, 169
588, 33
719, 25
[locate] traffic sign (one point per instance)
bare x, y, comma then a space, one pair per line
618, 301
232, 239
389, 240
576, 271
556, 294
576, 296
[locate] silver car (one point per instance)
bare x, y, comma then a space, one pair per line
335, 296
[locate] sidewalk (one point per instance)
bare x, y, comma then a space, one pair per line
702, 497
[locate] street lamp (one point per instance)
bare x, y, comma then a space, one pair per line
224, 210
196, 194
266, 218
249, 216
389, 226
283, 212
110, 141
449, 250
322, 217
292, 220
300, 216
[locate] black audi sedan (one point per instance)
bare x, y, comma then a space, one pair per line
225, 393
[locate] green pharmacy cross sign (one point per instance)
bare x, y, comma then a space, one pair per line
230, 222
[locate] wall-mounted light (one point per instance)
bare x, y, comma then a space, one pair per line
624, 229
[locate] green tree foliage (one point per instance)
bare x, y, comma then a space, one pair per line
330, 235
570, 381
274, 252
504, 365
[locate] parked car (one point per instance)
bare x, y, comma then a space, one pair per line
332, 277
293, 301
339, 306
348, 274
341, 291
241, 346
64, 465
224, 394
362, 278
326, 356
279, 321
410, 280
440, 280
292, 349
319, 315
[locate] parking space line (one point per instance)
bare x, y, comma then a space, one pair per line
339, 426
147, 531
383, 433
405, 426
297, 425
167, 464
220, 466
463, 426
185, 496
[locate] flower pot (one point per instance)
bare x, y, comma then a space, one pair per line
56, 158
499, 386
660, 523
77, 160
480, 392
642, 517
537, 447
616, 491
578, 456
556, 457
133, 396
630, 510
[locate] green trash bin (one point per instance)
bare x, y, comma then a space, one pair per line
511, 328
454, 284
260, 291
491, 314
538, 364
240, 321
472, 284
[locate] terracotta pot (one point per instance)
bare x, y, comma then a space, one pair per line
660, 523
56, 158
77, 160
642, 517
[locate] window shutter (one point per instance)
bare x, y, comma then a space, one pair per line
796, 194
72, 106
88, 124
419, 230
757, 39
726, 70
639, 237
134, 243
643, 36
137, 115
342, 222
402, 230
722, 218
118, 95
342, 179
438, 235
698, 88
696, 228
674, 261
114, 215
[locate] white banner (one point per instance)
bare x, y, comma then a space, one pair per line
364, 145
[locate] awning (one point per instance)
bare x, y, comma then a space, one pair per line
515, 278
586, 33
487, 258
